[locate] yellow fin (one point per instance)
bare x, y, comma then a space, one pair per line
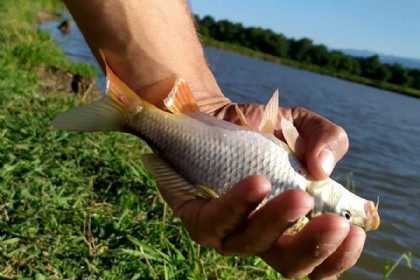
101, 115
106, 114
172, 186
120, 91
297, 226
180, 99
243, 121
290, 133
269, 120
206, 192
213, 121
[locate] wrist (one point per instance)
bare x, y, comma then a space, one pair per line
154, 84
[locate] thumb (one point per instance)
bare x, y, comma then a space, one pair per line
324, 143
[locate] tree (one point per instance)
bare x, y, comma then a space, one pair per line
415, 78
303, 50
399, 75
319, 55
334, 60
299, 49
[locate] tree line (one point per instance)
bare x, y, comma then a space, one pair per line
305, 51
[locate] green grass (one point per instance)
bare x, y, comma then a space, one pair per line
80, 206
310, 67
390, 267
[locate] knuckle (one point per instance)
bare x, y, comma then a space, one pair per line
300, 113
293, 270
318, 252
293, 197
235, 210
300, 109
333, 267
254, 189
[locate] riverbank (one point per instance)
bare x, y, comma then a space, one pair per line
309, 67
80, 206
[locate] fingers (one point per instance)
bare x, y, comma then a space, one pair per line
297, 256
210, 221
345, 257
265, 226
324, 143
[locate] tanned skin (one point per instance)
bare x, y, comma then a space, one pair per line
147, 43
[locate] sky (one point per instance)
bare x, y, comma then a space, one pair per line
389, 26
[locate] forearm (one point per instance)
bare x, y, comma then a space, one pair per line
147, 41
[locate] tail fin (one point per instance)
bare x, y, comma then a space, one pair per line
102, 115
106, 114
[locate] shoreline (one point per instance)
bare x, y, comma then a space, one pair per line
210, 42
80, 205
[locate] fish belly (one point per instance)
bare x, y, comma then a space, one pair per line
217, 157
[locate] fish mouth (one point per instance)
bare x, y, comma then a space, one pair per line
373, 220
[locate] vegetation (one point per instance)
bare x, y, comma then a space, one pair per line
389, 268
80, 206
304, 54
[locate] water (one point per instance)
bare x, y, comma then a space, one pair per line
384, 131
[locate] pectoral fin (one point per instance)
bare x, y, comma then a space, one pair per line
180, 99
172, 185
206, 192
290, 133
297, 226
243, 121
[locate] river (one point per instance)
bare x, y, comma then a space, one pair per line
384, 132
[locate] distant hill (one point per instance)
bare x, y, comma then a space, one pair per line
404, 61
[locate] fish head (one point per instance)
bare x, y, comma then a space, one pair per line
331, 196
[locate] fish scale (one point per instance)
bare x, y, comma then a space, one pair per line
203, 156
220, 157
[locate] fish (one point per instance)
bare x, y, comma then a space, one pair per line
197, 155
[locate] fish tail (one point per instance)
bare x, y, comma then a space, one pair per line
109, 113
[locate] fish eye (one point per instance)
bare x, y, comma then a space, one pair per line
346, 214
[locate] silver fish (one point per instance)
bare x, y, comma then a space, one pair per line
198, 155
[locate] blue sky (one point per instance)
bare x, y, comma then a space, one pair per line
387, 26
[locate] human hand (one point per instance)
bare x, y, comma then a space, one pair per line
327, 246
231, 224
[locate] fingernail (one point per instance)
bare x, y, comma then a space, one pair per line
327, 161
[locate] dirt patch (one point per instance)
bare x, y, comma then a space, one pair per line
44, 16
55, 81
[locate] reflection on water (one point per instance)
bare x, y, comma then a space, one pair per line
384, 131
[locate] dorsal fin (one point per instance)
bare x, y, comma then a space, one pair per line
290, 133
180, 99
269, 120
